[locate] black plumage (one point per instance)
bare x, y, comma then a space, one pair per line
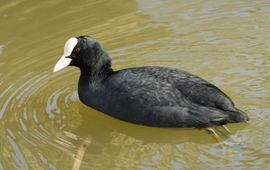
153, 96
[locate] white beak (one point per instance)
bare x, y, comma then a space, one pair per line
63, 61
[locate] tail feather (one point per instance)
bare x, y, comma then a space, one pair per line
238, 116
207, 117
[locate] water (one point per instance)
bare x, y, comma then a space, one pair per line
43, 124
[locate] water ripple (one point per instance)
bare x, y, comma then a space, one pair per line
17, 155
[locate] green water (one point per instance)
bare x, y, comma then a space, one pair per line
43, 125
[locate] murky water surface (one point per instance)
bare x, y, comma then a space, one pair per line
43, 125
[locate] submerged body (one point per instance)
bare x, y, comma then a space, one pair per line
153, 96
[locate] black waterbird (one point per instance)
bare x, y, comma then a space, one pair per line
152, 96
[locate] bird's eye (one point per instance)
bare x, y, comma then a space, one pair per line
77, 49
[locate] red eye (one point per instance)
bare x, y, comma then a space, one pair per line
77, 50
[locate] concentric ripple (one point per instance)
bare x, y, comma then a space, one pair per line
31, 107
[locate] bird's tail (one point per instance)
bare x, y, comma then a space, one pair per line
238, 116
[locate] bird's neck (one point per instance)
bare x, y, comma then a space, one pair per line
96, 75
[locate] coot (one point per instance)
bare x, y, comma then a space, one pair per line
152, 96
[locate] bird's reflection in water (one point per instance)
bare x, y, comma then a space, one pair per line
100, 134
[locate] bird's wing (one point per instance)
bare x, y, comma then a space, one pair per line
143, 88
166, 84
207, 95
191, 87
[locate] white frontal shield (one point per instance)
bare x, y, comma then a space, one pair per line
63, 61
